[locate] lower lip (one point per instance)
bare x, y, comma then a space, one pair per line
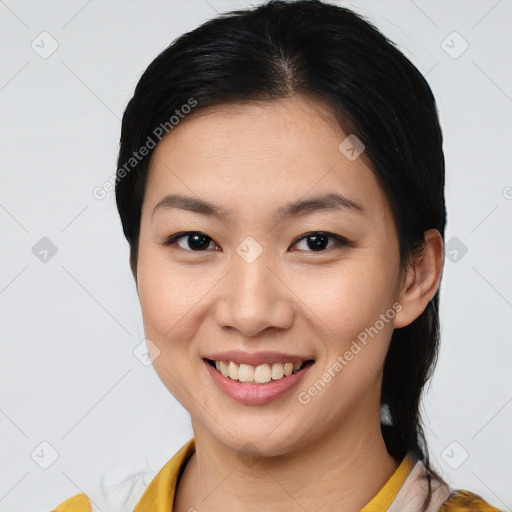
254, 394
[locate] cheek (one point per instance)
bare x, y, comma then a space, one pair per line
166, 293
350, 298
346, 306
159, 303
169, 301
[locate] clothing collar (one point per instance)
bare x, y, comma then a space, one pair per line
404, 491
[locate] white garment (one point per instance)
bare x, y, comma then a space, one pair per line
412, 494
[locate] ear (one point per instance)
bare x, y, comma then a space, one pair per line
421, 280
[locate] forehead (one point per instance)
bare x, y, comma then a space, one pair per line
254, 155
227, 129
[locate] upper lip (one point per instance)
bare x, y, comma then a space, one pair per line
256, 358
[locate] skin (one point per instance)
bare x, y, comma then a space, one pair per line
252, 159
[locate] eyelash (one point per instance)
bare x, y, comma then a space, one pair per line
340, 241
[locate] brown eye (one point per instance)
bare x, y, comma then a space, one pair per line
193, 241
318, 241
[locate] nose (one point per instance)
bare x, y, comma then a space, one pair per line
254, 298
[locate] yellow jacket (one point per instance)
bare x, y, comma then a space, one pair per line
402, 492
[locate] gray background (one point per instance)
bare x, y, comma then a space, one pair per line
70, 321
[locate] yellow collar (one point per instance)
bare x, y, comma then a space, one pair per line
159, 495
384, 498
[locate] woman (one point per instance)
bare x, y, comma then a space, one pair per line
281, 184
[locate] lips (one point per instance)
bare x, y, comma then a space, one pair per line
257, 378
252, 393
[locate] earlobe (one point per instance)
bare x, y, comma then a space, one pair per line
422, 279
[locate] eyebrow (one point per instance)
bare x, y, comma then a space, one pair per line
328, 202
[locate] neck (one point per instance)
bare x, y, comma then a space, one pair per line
343, 470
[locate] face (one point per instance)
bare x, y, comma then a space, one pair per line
317, 282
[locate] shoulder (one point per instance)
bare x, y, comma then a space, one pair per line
132, 485
77, 503
466, 501
458, 501
118, 488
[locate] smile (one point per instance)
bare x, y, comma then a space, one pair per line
256, 385
261, 374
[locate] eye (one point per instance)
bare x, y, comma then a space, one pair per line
317, 241
194, 241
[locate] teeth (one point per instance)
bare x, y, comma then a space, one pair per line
233, 371
277, 371
262, 374
223, 368
245, 372
257, 374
